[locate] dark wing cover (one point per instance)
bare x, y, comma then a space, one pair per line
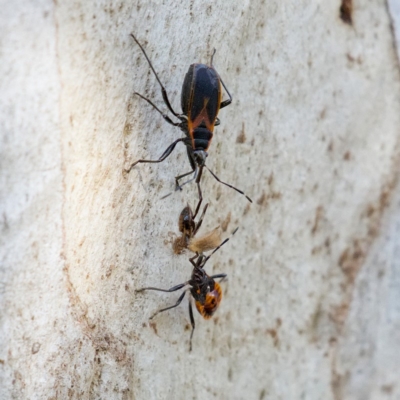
201, 96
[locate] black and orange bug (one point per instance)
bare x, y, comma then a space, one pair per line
189, 228
201, 100
206, 293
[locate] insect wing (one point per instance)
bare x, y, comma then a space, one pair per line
201, 96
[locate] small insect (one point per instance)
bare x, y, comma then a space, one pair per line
200, 101
189, 228
207, 293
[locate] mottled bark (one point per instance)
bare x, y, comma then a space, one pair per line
310, 309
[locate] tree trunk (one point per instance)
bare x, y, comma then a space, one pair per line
310, 308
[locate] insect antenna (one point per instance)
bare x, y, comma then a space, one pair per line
227, 184
212, 56
163, 91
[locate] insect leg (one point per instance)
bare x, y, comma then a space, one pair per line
163, 91
223, 276
179, 301
166, 153
191, 259
192, 164
198, 225
227, 184
178, 178
217, 248
192, 323
173, 289
199, 190
226, 102
177, 186
165, 116
200, 197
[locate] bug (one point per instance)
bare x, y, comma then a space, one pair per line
189, 228
201, 100
205, 291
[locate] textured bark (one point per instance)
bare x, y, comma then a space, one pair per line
310, 310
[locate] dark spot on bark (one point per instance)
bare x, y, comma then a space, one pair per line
262, 200
35, 347
230, 373
318, 215
346, 11
241, 138
387, 389
351, 259
153, 325
225, 222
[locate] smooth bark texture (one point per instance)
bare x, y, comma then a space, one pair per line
310, 309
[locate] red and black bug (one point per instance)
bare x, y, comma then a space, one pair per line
200, 101
206, 293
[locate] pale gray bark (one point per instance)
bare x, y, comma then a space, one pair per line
310, 310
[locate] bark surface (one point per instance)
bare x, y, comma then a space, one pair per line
310, 309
